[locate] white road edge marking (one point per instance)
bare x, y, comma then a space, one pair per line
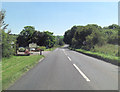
69, 58
84, 76
41, 59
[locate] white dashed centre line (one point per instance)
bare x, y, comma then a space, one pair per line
64, 52
69, 58
84, 76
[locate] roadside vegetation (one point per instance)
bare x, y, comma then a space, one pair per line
10, 43
30, 35
95, 40
14, 67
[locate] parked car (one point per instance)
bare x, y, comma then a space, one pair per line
21, 49
32, 49
27, 52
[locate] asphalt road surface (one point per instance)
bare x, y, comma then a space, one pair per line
63, 69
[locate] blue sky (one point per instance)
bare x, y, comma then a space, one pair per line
58, 17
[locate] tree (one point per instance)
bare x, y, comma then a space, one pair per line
69, 35
88, 36
38, 38
3, 25
30, 35
114, 26
95, 38
81, 33
49, 39
25, 36
111, 36
7, 43
59, 40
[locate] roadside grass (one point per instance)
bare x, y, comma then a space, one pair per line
102, 55
0, 75
107, 49
107, 52
14, 67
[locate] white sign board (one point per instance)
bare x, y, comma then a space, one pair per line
32, 45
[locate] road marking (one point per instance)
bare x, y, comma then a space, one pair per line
84, 76
69, 58
64, 52
41, 59
66, 55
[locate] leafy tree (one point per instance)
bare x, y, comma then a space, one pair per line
69, 35
7, 43
3, 25
111, 36
37, 37
119, 37
95, 38
30, 35
59, 40
49, 39
90, 35
82, 32
25, 36
114, 26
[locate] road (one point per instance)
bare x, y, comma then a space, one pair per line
64, 69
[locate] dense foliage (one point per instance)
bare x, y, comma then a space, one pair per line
59, 40
30, 35
86, 37
7, 42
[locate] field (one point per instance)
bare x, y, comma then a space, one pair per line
14, 67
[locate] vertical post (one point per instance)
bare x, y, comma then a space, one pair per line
16, 48
40, 52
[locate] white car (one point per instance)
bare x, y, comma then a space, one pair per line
32, 49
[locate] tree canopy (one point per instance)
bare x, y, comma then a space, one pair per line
90, 35
6, 40
30, 35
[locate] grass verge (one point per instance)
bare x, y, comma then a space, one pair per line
14, 67
0, 75
106, 57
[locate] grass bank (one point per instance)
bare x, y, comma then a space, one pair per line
108, 53
14, 67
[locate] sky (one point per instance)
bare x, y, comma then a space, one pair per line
58, 17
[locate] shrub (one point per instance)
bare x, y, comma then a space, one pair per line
40, 48
8, 49
21, 49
